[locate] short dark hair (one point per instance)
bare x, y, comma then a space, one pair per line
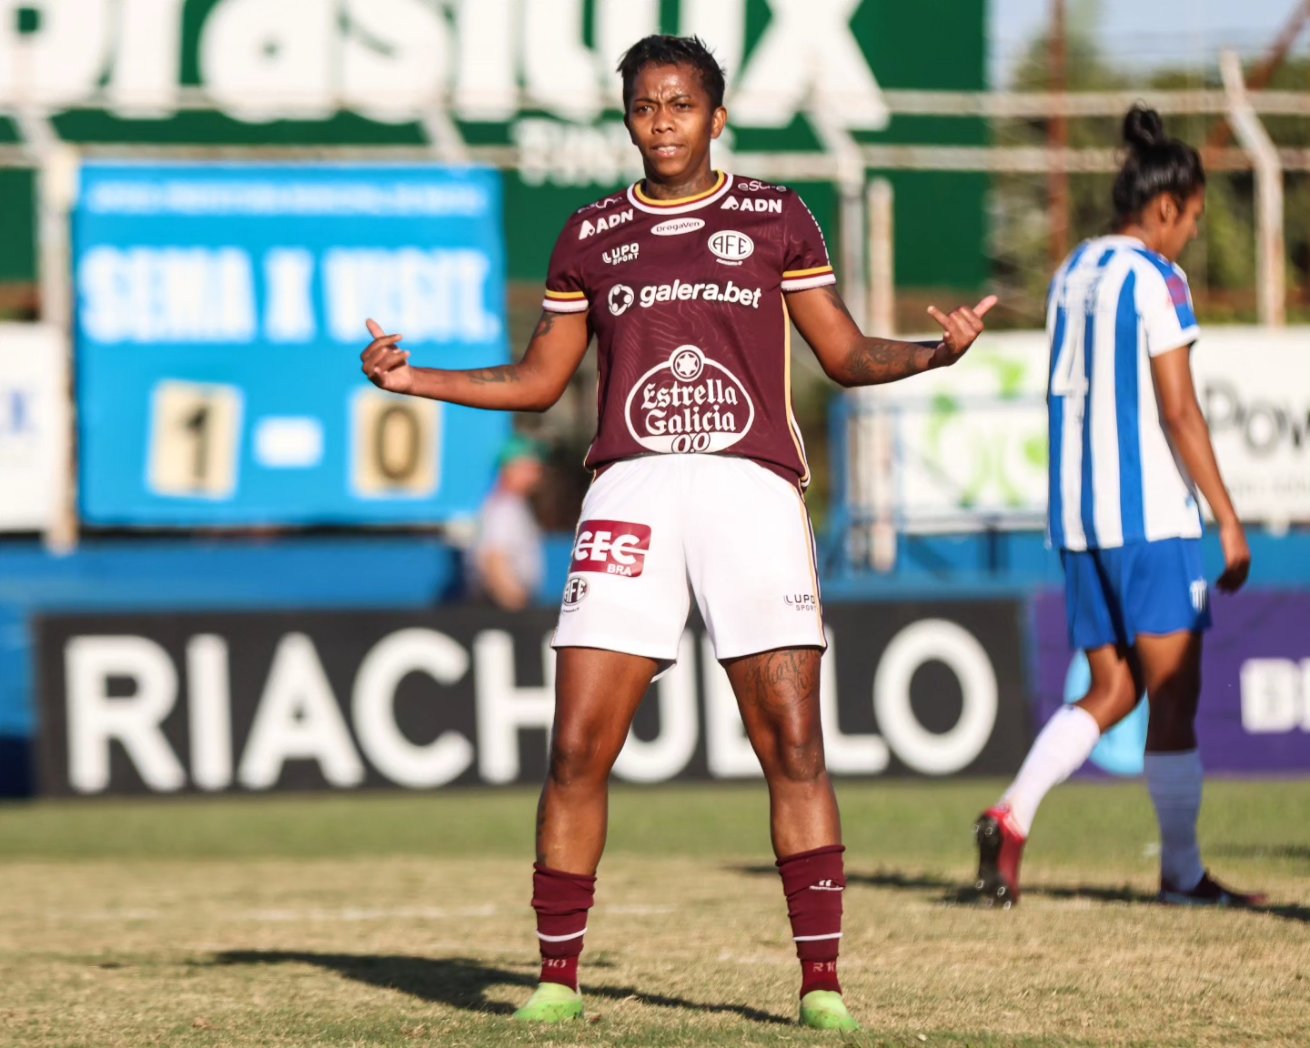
672, 50
1155, 164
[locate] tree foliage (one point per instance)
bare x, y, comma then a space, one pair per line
1221, 263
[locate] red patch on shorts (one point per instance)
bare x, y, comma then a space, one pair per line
615, 547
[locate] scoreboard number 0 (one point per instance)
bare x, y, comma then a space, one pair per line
397, 445
195, 432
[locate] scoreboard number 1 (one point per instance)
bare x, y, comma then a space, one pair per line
195, 433
396, 446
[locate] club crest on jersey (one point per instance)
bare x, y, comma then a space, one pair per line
614, 547
731, 247
574, 590
622, 253
688, 404
590, 228
747, 204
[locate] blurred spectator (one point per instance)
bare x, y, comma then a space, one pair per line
505, 564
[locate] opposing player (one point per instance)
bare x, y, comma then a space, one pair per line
1129, 447
688, 281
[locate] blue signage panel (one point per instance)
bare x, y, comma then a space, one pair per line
220, 317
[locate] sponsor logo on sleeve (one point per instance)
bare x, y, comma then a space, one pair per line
730, 247
601, 205
613, 547
601, 224
801, 601
1177, 290
673, 227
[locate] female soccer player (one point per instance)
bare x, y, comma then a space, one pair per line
689, 281
1129, 447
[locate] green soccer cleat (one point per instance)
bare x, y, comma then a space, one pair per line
551, 1003
825, 1010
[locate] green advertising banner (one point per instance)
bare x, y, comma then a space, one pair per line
537, 75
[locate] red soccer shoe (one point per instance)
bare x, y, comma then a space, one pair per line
1000, 850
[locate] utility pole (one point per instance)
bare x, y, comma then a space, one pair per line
1057, 139
1222, 132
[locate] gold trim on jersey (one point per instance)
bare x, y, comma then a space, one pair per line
795, 274
792, 427
680, 201
564, 295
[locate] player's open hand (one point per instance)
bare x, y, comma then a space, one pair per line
960, 328
385, 363
1237, 558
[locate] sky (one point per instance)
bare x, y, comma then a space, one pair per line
1140, 34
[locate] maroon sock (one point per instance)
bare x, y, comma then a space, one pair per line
813, 882
561, 901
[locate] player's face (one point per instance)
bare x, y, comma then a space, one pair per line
1178, 227
672, 123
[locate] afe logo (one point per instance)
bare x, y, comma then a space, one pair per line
731, 247
574, 590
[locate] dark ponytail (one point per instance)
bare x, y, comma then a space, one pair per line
1155, 164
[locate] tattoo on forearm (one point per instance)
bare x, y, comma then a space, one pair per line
488, 376
875, 360
510, 372
879, 360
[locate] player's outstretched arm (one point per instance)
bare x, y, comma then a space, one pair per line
1181, 416
851, 358
554, 352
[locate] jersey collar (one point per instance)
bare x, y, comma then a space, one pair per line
681, 205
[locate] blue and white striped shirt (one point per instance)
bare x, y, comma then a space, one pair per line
1114, 478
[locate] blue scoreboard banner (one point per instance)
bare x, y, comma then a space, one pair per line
220, 317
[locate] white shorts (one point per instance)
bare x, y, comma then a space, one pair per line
656, 530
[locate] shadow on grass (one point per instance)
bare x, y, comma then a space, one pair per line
1298, 852
955, 893
461, 982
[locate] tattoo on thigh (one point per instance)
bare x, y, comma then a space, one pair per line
784, 676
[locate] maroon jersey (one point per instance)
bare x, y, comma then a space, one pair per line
685, 298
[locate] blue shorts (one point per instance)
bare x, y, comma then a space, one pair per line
1112, 595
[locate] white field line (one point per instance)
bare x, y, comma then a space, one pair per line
349, 914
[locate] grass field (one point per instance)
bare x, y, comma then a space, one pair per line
403, 920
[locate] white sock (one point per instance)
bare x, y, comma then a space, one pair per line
1174, 780
1060, 749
